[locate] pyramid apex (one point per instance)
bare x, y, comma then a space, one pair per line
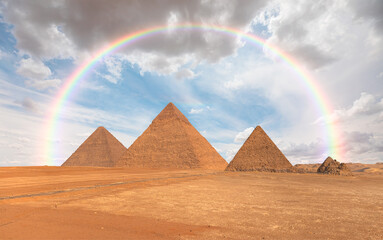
259, 127
171, 106
171, 112
100, 130
258, 130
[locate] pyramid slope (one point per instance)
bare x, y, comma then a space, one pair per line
100, 149
333, 167
259, 153
172, 142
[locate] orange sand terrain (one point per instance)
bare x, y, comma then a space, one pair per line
117, 203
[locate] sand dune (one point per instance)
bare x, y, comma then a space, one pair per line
118, 203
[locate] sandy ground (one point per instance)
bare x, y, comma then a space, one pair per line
101, 203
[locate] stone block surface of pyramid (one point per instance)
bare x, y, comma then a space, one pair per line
172, 142
259, 153
333, 167
100, 149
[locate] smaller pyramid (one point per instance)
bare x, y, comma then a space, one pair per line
259, 153
333, 167
100, 149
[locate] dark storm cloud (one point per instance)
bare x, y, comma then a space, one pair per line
361, 142
309, 150
370, 9
312, 56
58, 29
292, 30
319, 33
29, 104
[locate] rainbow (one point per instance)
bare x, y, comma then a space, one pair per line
52, 120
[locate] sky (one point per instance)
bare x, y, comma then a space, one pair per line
224, 84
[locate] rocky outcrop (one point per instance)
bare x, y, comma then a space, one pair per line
333, 167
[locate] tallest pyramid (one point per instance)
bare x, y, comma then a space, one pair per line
172, 142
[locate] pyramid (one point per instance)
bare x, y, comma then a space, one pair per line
333, 167
172, 142
101, 149
259, 153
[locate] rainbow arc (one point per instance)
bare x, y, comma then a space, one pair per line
332, 137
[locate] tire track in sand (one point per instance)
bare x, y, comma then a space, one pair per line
98, 186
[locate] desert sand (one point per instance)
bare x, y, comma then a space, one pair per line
120, 203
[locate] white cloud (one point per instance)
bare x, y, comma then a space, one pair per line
114, 67
110, 78
33, 69
292, 30
196, 111
242, 136
320, 33
234, 84
227, 150
200, 110
37, 74
217, 134
366, 105
158, 63
43, 84
230, 153
185, 73
94, 86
